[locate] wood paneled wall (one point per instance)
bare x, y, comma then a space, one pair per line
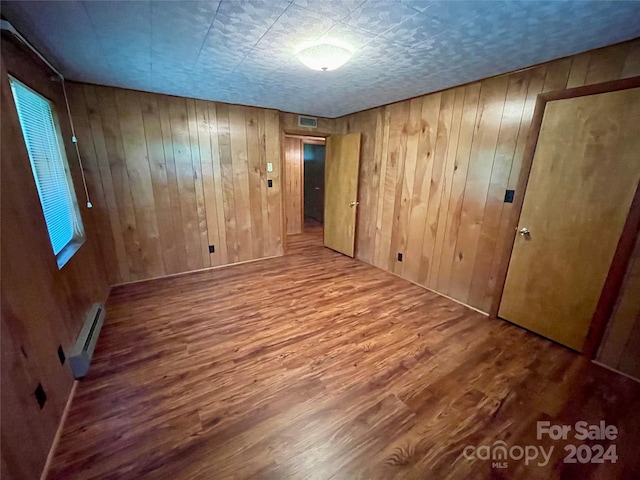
42, 307
621, 344
170, 176
435, 169
294, 181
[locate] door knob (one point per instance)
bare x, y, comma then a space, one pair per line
524, 231
353, 204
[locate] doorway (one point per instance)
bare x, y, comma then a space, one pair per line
304, 183
313, 186
321, 189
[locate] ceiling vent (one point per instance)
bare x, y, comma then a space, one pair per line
309, 122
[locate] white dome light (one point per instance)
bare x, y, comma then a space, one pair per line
324, 56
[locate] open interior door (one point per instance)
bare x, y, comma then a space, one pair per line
342, 164
583, 178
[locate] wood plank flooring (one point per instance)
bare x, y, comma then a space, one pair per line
318, 366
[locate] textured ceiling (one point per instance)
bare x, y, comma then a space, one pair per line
242, 51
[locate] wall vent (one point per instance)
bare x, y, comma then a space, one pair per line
309, 122
82, 352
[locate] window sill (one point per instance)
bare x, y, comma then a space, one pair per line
68, 251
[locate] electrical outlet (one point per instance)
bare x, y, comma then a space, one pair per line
41, 396
399, 257
61, 356
269, 183
212, 249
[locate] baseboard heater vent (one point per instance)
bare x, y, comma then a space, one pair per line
82, 352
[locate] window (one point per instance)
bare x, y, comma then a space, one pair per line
50, 171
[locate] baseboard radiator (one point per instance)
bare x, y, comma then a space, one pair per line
82, 352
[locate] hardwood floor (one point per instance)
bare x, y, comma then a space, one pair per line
318, 366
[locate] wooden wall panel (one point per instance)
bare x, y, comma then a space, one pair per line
255, 159
186, 186
271, 141
607, 64
382, 146
194, 140
239, 161
112, 138
437, 182
42, 307
209, 207
160, 186
452, 171
632, 62
621, 344
405, 178
293, 169
179, 261
101, 199
432, 182
137, 160
462, 148
483, 146
392, 184
226, 175
174, 175
441, 176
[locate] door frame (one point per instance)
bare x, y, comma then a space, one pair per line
311, 141
630, 232
310, 138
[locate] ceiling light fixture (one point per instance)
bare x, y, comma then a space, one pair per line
324, 56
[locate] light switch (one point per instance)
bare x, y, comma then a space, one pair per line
269, 167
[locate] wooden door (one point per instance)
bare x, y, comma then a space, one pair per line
583, 178
342, 163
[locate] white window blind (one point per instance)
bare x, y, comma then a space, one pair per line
48, 165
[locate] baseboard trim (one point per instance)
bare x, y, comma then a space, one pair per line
190, 272
56, 439
427, 288
616, 371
